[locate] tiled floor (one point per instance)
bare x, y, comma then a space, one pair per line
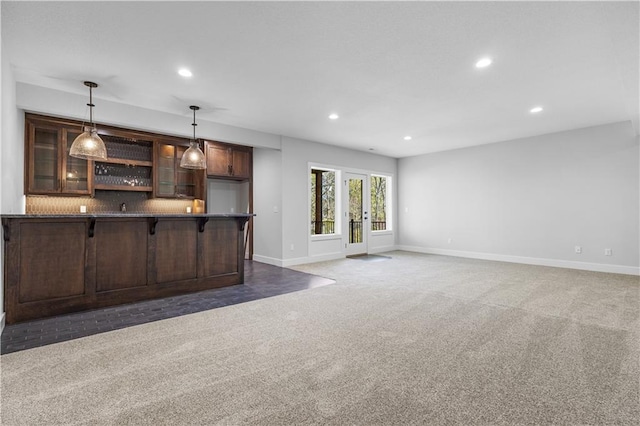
261, 280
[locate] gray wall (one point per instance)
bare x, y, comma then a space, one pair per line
71, 105
11, 157
533, 198
227, 196
267, 203
296, 156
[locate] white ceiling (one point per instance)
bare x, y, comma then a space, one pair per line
389, 69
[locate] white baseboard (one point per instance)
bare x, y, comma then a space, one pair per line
585, 266
268, 260
312, 259
382, 249
283, 263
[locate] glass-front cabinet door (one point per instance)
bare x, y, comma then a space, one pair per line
50, 168
185, 178
75, 177
172, 180
165, 169
44, 171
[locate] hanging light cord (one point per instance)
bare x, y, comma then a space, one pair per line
91, 105
194, 125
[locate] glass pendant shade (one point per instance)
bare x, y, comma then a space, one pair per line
88, 145
193, 158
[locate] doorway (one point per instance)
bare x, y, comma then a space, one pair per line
356, 201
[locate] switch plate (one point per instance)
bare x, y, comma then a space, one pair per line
578, 249
607, 252
449, 241
292, 247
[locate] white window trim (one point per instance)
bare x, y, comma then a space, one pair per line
337, 225
388, 203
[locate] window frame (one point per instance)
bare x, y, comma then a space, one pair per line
337, 225
388, 194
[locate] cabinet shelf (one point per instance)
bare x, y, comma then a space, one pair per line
123, 188
127, 162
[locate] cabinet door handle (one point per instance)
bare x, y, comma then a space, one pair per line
229, 169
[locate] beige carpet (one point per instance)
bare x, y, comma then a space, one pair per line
415, 339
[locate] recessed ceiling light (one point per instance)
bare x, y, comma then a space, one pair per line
185, 72
334, 116
407, 138
535, 110
484, 62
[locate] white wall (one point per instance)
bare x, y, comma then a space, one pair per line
63, 104
530, 200
290, 175
296, 156
11, 157
2, 108
227, 196
267, 205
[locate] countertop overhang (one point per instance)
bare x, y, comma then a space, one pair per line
126, 215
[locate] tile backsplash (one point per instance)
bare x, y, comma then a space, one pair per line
108, 202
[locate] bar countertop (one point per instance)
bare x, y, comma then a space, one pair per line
126, 215
61, 263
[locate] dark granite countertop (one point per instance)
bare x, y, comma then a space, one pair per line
124, 215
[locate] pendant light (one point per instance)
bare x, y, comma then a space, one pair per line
88, 145
193, 158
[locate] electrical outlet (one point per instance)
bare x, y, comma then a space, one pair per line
578, 249
607, 252
449, 241
83, 209
292, 247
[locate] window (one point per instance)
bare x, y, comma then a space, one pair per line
323, 201
380, 203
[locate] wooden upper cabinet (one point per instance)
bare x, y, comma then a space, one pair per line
241, 163
137, 161
228, 161
48, 167
173, 181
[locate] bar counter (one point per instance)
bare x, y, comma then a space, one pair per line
55, 264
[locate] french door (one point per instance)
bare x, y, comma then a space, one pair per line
356, 217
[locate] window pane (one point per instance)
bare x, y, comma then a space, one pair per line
323, 201
378, 203
355, 211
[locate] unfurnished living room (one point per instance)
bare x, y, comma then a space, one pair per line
289, 213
